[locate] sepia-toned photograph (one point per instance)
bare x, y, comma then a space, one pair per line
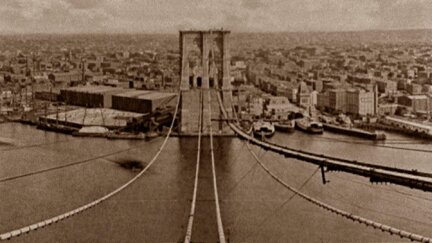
215, 121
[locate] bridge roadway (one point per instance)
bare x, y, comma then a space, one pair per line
156, 207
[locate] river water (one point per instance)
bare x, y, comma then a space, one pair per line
155, 208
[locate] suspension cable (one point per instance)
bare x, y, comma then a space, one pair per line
355, 218
385, 228
37, 145
4, 179
55, 219
218, 213
195, 190
285, 202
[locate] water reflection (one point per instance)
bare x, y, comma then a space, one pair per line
156, 207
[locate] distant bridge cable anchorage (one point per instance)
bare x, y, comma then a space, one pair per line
46, 222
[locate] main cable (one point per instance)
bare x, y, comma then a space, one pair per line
218, 212
355, 218
195, 190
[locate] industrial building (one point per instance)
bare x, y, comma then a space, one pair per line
142, 101
65, 77
352, 101
90, 96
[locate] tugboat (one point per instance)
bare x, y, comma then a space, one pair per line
263, 129
285, 126
309, 126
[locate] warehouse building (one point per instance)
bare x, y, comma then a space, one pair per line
90, 96
142, 101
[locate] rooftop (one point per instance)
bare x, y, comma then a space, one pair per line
94, 89
133, 93
156, 95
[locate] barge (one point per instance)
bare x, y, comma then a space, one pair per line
354, 131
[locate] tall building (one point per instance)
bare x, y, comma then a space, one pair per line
303, 95
360, 102
323, 100
337, 100
351, 101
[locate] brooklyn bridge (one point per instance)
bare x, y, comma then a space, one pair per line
215, 182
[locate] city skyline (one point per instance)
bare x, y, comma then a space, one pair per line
168, 16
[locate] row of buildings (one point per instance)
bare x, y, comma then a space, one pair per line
139, 101
351, 101
325, 96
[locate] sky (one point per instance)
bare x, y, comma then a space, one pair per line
169, 16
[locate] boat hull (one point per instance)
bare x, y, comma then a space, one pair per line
354, 132
56, 128
259, 134
138, 136
306, 127
284, 128
263, 129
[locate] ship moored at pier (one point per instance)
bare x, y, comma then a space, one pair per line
263, 129
309, 126
354, 131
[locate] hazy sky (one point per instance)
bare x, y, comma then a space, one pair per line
132, 16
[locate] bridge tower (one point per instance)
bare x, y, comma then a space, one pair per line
204, 66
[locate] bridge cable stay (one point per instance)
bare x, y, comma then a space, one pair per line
386, 145
421, 179
78, 162
411, 178
195, 190
218, 212
389, 190
364, 184
55, 219
273, 213
36, 145
303, 154
376, 225
246, 174
355, 218
351, 201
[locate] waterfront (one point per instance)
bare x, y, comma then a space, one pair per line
155, 208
